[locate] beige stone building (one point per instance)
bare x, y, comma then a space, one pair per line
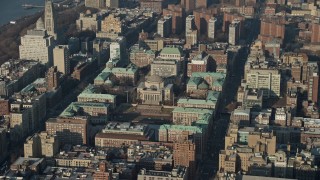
262, 141
95, 3
31, 147
50, 19
155, 45
187, 116
41, 145
231, 136
112, 3
49, 144
269, 80
127, 75
191, 38
164, 68
73, 162
37, 45
227, 163
120, 134
142, 57
164, 26
154, 91
61, 59
111, 27
88, 21
19, 123
240, 116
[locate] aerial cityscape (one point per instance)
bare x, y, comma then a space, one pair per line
159, 89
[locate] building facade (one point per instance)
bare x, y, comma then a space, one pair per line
61, 59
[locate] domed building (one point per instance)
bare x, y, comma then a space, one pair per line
154, 90
203, 86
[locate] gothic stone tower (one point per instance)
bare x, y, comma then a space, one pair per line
49, 19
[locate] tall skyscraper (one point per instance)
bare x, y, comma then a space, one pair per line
178, 17
61, 58
202, 17
234, 32
190, 25
164, 26
49, 19
191, 32
229, 17
118, 51
212, 28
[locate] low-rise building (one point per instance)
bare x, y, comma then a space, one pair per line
210, 101
241, 116
189, 116
92, 94
200, 63
114, 75
177, 173
122, 134
151, 156
204, 81
141, 57
17, 74
96, 112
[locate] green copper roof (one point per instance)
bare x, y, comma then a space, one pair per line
218, 83
100, 96
195, 81
90, 92
140, 50
127, 70
74, 107
193, 129
203, 85
217, 78
196, 101
172, 50
215, 75
28, 88
213, 95
102, 76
